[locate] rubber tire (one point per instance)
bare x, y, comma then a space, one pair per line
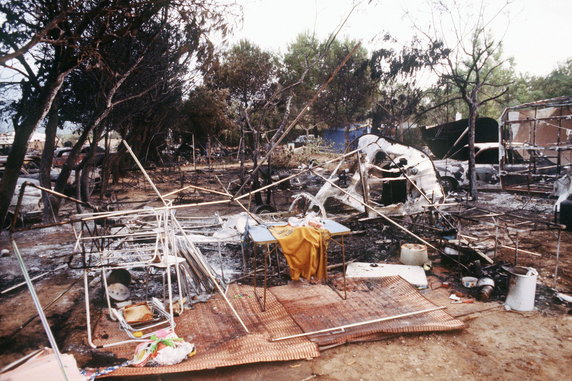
264, 208
449, 184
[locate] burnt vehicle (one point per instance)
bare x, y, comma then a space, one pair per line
454, 174
449, 143
391, 177
61, 155
30, 208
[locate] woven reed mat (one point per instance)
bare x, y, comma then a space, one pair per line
219, 338
317, 307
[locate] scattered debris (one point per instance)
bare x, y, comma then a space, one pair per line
391, 177
563, 297
146, 269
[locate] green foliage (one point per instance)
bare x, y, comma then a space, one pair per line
207, 112
246, 71
558, 82
522, 88
398, 94
301, 68
349, 95
310, 62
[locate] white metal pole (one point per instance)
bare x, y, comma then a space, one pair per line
40, 310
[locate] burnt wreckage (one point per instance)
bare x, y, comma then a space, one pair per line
387, 176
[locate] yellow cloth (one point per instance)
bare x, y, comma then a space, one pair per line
305, 249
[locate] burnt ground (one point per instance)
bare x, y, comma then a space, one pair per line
497, 344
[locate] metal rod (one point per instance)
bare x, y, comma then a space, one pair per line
145, 173
194, 187
61, 195
344, 267
227, 193
34, 278
342, 327
557, 260
40, 310
14, 364
516, 251
194, 155
496, 237
501, 245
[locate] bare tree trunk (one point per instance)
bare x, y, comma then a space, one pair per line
473, 108
20, 145
46, 163
88, 165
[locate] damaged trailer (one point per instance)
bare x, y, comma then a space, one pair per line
391, 177
536, 142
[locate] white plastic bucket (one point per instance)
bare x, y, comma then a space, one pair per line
413, 254
521, 288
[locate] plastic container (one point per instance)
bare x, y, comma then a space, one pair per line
469, 281
413, 254
521, 288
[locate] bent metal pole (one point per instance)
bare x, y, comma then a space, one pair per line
342, 327
40, 310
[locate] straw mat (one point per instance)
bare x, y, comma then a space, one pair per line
317, 307
219, 338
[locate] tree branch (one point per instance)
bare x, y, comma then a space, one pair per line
38, 37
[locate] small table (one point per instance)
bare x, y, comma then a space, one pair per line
261, 236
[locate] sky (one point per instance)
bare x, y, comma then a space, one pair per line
537, 33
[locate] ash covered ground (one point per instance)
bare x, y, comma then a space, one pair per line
373, 240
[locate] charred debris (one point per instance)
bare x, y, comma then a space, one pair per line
142, 263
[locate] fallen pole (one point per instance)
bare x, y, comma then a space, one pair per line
194, 187
252, 215
343, 327
505, 246
40, 310
31, 279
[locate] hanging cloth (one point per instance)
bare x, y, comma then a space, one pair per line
305, 249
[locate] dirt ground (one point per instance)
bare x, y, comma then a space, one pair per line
496, 345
